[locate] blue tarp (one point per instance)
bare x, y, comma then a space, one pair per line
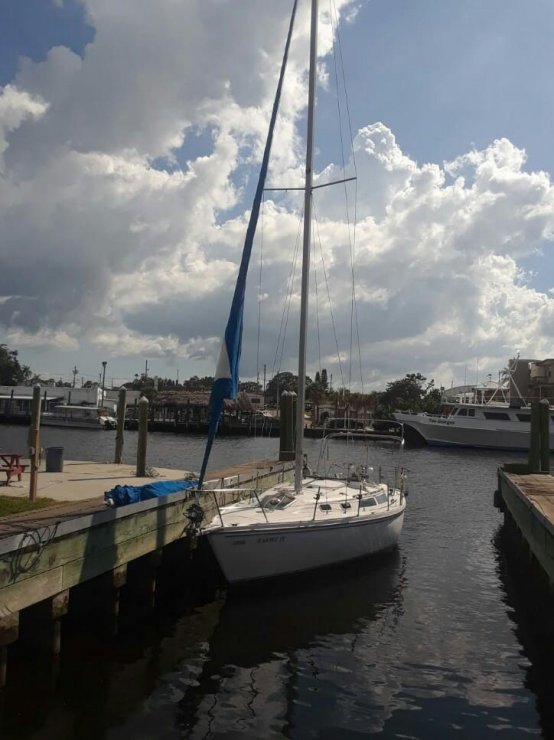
122, 495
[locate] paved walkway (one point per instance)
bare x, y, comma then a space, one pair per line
82, 480
79, 489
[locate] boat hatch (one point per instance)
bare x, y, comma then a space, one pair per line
277, 500
379, 498
329, 485
325, 507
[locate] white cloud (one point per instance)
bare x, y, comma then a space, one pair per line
101, 248
16, 106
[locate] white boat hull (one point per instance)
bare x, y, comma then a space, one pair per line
268, 551
447, 432
68, 423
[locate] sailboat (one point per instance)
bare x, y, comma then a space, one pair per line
321, 519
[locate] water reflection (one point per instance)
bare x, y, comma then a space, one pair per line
531, 609
437, 640
286, 651
103, 681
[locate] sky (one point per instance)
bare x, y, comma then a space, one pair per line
131, 135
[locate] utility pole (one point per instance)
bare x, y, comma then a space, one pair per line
146, 370
75, 372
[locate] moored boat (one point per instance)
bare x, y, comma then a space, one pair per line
343, 513
347, 512
495, 426
79, 417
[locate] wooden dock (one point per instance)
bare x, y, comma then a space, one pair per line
46, 554
528, 502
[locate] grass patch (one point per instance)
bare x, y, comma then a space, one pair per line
11, 505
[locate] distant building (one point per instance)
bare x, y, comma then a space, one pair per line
541, 380
16, 400
524, 380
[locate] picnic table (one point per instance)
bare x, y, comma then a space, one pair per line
10, 464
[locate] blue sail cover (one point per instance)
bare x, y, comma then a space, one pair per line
226, 379
123, 495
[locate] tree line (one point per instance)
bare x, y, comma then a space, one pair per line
411, 393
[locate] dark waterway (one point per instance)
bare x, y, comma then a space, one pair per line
436, 640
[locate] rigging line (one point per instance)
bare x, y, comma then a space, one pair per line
290, 282
288, 305
334, 17
334, 23
317, 305
345, 88
349, 119
260, 289
280, 348
283, 311
328, 293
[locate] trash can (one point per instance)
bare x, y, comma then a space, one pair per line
54, 459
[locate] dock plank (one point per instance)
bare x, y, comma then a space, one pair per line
538, 489
528, 501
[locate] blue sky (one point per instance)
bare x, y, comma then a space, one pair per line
32, 27
444, 76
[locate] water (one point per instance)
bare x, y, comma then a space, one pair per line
431, 641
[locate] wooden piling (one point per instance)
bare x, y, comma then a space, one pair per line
142, 437
34, 442
121, 407
535, 440
108, 588
287, 425
544, 425
9, 632
142, 577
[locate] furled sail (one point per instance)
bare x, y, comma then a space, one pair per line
226, 379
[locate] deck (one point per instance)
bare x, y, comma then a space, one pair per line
528, 499
538, 490
79, 489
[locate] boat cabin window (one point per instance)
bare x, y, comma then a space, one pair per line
325, 507
524, 417
381, 498
277, 500
368, 502
471, 412
346, 505
496, 415
462, 412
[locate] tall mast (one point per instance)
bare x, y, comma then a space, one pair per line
301, 399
